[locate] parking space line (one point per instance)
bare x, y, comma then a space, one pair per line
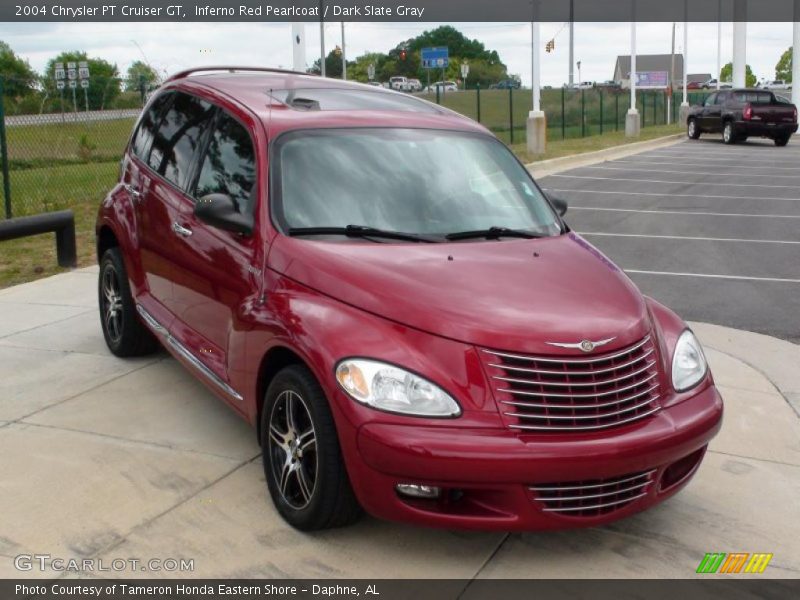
604, 168
671, 195
710, 276
696, 164
692, 238
755, 185
684, 212
707, 156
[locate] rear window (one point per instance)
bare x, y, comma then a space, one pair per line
350, 99
146, 130
753, 97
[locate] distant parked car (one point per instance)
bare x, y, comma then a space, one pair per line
584, 85
695, 85
414, 85
398, 83
776, 84
741, 113
506, 84
612, 85
446, 86
711, 84
375, 83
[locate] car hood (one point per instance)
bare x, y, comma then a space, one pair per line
509, 294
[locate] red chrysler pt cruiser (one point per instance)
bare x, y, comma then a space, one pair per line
379, 286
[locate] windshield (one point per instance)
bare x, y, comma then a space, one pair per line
408, 180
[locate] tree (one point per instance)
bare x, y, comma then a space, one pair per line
140, 73
333, 65
104, 81
726, 74
19, 79
783, 70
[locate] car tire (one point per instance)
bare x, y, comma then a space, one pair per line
728, 133
303, 464
692, 130
124, 332
781, 141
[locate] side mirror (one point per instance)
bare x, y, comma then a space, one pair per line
219, 210
559, 204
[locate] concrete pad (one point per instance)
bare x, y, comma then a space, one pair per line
75, 288
74, 494
161, 404
81, 333
733, 373
231, 530
15, 317
35, 379
724, 509
758, 425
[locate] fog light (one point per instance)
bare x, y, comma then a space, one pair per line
417, 491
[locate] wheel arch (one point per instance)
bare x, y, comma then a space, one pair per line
273, 362
106, 239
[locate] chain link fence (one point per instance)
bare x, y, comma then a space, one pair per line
62, 148
571, 113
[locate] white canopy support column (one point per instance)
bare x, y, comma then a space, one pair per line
633, 123
299, 47
795, 58
740, 43
684, 114
537, 122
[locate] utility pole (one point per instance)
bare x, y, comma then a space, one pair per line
344, 57
321, 38
571, 42
299, 46
671, 77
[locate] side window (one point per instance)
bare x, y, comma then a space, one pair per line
722, 98
144, 134
229, 164
178, 137
711, 100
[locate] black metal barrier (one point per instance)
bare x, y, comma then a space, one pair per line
61, 222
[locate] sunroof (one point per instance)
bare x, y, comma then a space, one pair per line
350, 99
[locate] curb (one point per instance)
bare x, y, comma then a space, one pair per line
563, 163
777, 360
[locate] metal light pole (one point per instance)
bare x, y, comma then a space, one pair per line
321, 38
719, 42
571, 42
344, 56
795, 57
685, 62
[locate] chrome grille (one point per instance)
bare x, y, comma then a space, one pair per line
575, 393
595, 497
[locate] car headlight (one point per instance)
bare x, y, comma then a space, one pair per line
386, 387
688, 362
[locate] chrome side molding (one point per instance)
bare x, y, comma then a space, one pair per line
186, 354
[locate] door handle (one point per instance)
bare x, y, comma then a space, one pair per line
180, 230
133, 191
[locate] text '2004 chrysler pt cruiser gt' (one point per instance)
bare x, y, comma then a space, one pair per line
382, 290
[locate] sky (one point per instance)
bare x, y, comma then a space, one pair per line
169, 47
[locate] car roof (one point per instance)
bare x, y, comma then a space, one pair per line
264, 93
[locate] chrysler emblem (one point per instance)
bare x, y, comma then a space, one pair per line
584, 345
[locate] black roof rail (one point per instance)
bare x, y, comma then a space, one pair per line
230, 69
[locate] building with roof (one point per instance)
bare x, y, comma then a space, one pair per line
658, 65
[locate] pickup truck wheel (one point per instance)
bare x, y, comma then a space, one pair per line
303, 463
692, 130
782, 141
124, 333
728, 135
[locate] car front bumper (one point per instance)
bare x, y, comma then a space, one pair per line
486, 475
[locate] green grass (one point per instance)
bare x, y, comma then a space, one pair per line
78, 187
31, 146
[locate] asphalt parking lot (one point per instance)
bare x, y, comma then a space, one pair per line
712, 231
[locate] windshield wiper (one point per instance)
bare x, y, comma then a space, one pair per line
362, 231
493, 233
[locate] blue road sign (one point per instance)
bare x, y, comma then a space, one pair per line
435, 58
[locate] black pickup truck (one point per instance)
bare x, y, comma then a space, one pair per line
741, 113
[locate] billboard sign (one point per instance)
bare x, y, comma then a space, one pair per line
652, 79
